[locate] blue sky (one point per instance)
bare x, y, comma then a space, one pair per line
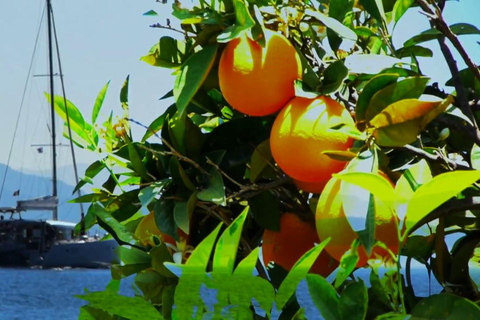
102, 41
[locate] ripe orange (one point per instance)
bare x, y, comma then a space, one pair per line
258, 80
148, 228
332, 222
301, 132
292, 241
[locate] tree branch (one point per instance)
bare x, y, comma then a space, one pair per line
434, 158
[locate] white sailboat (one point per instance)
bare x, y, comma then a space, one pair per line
49, 243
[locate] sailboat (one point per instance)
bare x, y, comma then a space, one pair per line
50, 243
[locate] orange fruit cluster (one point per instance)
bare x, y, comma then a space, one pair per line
293, 240
259, 81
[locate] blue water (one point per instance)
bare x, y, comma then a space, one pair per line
49, 294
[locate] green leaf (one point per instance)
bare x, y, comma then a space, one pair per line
91, 172
324, 297
436, 192
475, 157
134, 308
215, 191
244, 22
183, 212
164, 218
136, 161
347, 264
151, 283
410, 88
445, 306
369, 63
416, 51
375, 8
167, 53
333, 77
158, 123
374, 183
297, 273
161, 254
118, 231
354, 301
432, 34
266, 210
261, 159
99, 102
468, 80
147, 194
150, 13
192, 277
191, 76
399, 9
227, 245
401, 122
373, 86
124, 94
342, 30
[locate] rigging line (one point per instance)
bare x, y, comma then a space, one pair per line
72, 149
21, 104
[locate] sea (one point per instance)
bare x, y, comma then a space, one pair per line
49, 294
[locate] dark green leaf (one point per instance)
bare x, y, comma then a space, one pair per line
118, 231
373, 86
92, 170
167, 53
324, 297
266, 210
137, 164
416, 51
147, 194
191, 76
431, 34
150, 13
164, 217
215, 191
375, 8
161, 254
261, 159
183, 212
445, 306
333, 77
124, 94
354, 301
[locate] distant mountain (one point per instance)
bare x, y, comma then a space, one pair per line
31, 185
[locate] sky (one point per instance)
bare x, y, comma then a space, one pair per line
104, 40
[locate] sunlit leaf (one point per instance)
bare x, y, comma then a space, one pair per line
215, 191
167, 53
191, 76
399, 9
244, 21
342, 30
431, 34
369, 63
436, 192
99, 102
147, 194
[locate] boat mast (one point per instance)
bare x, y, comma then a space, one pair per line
52, 106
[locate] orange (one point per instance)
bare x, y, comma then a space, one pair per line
258, 80
148, 228
301, 132
331, 222
292, 241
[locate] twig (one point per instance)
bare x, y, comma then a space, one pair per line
434, 158
158, 25
259, 187
210, 162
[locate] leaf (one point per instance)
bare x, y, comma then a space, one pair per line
401, 122
375, 8
187, 293
410, 88
432, 34
348, 262
158, 123
191, 76
150, 13
183, 212
324, 297
261, 158
468, 81
354, 301
266, 210
118, 231
373, 86
136, 162
416, 51
369, 63
342, 30
215, 192
161, 254
297, 273
244, 22
227, 245
91, 172
147, 194
374, 183
99, 102
436, 192
124, 94
445, 306
167, 53
399, 9
412, 178
134, 308
333, 77
164, 218
475, 157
